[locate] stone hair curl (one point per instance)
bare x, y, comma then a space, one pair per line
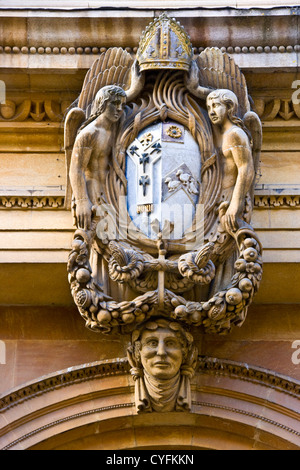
184, 337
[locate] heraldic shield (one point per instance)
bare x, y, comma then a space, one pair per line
162, 150
163, 171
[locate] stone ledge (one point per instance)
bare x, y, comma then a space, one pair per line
72, 6
245, 30
67, 59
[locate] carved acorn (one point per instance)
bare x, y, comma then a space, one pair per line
93, 309
145, 308
234, 296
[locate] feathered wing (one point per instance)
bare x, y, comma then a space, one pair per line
113, 67
253, 123
218, 70
74, 119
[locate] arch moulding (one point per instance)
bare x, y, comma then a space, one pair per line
92, 406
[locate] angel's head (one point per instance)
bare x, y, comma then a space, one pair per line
110, 99
221, 105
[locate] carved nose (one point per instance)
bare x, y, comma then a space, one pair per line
161, 349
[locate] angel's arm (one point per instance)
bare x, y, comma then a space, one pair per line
137, 82
192, 83
240, 150
80, 158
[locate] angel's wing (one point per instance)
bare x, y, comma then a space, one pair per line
113, 67
218, 70
253, 123
74, 118
214, 69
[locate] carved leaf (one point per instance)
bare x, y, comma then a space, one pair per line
202, 255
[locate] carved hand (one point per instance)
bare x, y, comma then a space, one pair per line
84, 213
192, 82
192, 79
230, 219
137, 81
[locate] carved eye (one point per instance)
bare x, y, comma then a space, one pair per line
171, 343
152, 343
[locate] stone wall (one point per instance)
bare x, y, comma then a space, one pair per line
44, 56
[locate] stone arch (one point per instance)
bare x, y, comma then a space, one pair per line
91, 407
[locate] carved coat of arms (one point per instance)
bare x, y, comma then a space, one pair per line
162, 151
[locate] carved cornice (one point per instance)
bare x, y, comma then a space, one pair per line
37, 49
32, 202
37, 110
276, 202
276, 108
48, 109
57, 202
207, 365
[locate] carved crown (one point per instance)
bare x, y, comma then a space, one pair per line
165, 45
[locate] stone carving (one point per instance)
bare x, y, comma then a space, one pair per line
272, 201
271, 109
32, 202
163, 359
38, 110
81, 50
162, 154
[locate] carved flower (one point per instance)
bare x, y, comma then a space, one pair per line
174, 132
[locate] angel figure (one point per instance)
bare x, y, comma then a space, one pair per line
233, 141
90, 129
217, 80
91, 152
